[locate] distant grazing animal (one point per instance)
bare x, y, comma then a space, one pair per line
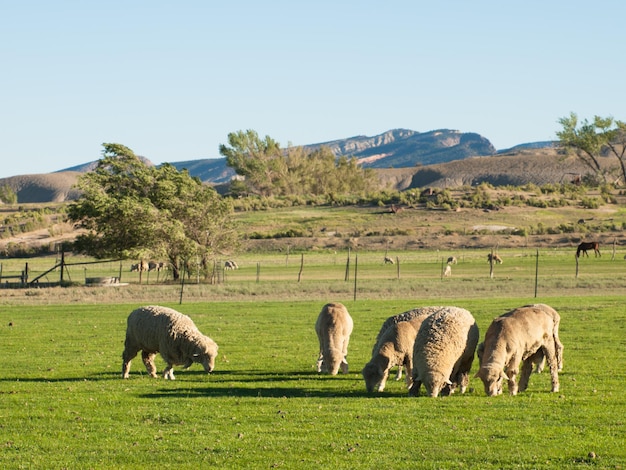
230, 265
388, 260
496, 258
395, 209
584, 246
516, 337
452, 260
154, 329
156, 265
333, 327
447, 272
444, 351
141, 267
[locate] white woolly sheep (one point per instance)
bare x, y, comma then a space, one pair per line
394, 348
447, 272
333, 327
389, 260
515, 337
444, 351
154, 329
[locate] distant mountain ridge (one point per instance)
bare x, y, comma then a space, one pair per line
400, 148
394, 149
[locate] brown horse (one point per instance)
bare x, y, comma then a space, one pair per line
584, 246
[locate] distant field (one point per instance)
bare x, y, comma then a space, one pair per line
64, 405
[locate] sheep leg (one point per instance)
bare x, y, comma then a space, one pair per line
127, 356
511, 372
527, 368
320, 362
344, 354
383, 381
148, 360
168, 373
399, 374
550, 353
344, 366
409, 373
414, 391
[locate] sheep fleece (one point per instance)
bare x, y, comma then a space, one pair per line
333, 327
154, 329
444, 351
395, 348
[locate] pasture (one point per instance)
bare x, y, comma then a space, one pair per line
64, 405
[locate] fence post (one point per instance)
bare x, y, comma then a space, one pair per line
356, 264
347, 276
258, 271
397, 267
536, 273
301, 266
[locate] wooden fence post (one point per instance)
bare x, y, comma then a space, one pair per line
356, 264
536, 273
301, 266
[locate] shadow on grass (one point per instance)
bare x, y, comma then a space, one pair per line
228, 383
296, 384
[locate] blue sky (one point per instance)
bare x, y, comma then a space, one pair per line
170, 80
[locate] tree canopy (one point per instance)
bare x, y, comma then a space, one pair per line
268, 170
131, 210
593, 140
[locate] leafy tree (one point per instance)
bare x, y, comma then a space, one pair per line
270, 171
131, 210
592, 140
7, 195
259, 160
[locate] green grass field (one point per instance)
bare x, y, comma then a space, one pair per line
64, 405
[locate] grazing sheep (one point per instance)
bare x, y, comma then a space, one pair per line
444, 351
516, 337
333, 327
389, 260
539, 357
447, 272
229, 264
494, 258
452, 260
154, 329
394, 348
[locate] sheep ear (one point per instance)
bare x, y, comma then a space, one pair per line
503, 376
448, 382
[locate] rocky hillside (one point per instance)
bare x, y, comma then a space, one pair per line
403, 159
405, 148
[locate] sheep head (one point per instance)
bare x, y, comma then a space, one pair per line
492, 380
